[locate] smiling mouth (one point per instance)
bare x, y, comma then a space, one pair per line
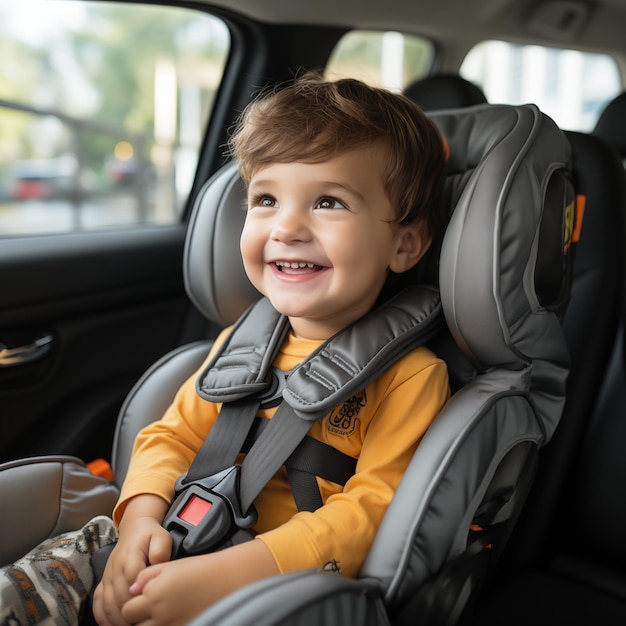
296, 267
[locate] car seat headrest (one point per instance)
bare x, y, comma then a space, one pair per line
504, 256
444, 91
611, 125
212, 266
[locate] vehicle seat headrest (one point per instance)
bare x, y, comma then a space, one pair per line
444, 91
611, 125
212, 266
510, 192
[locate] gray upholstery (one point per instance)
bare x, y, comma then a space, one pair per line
307, 597
213, 269
488, 259
492, 253
216, 283
549, 571
149, 398
44, 496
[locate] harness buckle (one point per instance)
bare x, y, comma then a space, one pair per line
206, 515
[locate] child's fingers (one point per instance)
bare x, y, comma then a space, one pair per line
113, 592
143, 578
122, 570
140, 607
106, 610
160, 549
136, 610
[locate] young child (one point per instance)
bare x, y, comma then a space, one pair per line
343, 185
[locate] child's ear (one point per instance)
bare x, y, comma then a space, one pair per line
413, 240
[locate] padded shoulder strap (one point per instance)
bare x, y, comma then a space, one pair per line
341, 366
357, 355
239, 367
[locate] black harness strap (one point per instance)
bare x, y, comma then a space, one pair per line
227, 436
311, 455
319, 458
305, 490
284, 432
311, 458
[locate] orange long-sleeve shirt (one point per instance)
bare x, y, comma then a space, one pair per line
380, 426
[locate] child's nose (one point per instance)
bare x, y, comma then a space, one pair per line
290, 225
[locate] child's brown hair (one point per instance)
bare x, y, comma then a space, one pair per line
311, 120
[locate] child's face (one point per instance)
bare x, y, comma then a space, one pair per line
318, 239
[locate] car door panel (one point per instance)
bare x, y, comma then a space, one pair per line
113, 303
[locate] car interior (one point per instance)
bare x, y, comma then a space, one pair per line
101, 320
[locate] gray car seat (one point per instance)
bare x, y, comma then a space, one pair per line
597, 275
567, 562
502, 273
475, 462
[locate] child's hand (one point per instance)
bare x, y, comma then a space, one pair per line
174, 593
143, 541
171, 593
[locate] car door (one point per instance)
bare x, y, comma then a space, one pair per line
103, 114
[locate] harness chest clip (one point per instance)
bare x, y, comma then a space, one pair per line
206, 515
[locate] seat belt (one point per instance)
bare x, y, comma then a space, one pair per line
241, 376
312, 458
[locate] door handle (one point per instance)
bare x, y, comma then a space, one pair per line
12, 357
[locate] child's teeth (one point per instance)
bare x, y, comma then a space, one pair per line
294, 265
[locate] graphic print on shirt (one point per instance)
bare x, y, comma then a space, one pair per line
344, 419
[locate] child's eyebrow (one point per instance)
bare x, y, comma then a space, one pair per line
328, 186
344, 187
259, 183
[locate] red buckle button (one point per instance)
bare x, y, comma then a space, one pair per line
195, 510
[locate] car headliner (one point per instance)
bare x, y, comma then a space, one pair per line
458, 24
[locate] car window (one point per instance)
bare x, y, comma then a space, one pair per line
572, 87
102, 111
381, 59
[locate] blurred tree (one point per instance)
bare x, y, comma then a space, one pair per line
96, 62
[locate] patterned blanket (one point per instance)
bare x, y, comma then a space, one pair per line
51, 584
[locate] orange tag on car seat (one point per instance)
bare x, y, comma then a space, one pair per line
574, 212
580, 212
101, 467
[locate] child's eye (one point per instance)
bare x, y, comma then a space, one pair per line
330, 203
263, 201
